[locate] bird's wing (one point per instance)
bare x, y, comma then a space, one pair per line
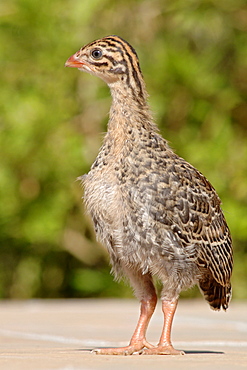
197, 220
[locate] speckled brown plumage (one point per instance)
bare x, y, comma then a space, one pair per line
156, 214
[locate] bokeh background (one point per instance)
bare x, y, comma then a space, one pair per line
193, 55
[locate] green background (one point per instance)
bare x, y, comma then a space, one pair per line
193, 56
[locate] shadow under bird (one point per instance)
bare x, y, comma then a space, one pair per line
156, 214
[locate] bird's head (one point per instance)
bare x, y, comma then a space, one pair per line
110, 58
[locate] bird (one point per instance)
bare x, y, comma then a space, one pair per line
157, 215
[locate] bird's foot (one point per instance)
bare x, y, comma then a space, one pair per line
132, 348
161, 350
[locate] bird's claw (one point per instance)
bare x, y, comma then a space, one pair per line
131, 349
161, 350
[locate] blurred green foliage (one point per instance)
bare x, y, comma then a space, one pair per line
194, 59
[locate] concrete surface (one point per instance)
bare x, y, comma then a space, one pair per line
58, 334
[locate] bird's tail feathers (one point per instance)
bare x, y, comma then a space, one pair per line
218, 296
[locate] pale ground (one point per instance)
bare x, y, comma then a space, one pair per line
58, 334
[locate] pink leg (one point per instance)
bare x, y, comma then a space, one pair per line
165, 346
138, 340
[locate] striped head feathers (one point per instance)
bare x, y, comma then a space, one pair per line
113, 60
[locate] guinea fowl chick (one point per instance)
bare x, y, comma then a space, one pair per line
155, 213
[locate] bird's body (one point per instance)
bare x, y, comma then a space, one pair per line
156, 214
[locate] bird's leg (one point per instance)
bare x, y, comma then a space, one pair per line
165, 346
139, 337
138, 340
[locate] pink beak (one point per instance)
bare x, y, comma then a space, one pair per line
74, 62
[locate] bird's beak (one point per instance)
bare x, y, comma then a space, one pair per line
74, 62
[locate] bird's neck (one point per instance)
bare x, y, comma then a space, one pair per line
130, 124
129, 110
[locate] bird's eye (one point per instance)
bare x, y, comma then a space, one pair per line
96, 53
